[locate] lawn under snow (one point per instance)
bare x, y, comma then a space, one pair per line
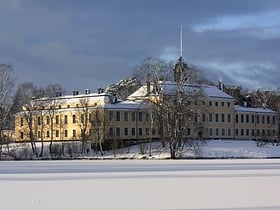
206, 149
233, 184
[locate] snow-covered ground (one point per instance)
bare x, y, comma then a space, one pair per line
206, 149
233, 184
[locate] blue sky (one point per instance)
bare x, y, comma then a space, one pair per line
92, 43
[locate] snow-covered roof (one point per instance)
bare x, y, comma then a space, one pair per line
214, 92
253, 109
124, 105
92, 97
169, 87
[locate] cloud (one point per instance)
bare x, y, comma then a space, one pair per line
265, 25
93, 43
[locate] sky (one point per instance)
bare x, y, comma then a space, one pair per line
92, 43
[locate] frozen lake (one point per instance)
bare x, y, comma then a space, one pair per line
140, 184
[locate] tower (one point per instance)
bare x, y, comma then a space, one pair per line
180, 65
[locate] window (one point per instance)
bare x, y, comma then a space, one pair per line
189, 132
74, 133
273, 120
216, 117
236, 118
133, 131
111, 131
39, 134
210, 117
39, 120
247, 118
126, 131
21, 135
247, 132
223, 132
48, 120
242, 132
118, 116
258, 132
89, 118
217, 131
263, 132
236, 132
48, 134
228, 104
56, 119
153, 131
82, 118
216, 103
253, 132
147, 117
133, 116
268, 120
210, 132
268, 132
210, 103
229, 132
140, 132
57, 133
258, 119
65, 133
125, 117
253, 119
118, 131
223, 104
74, 120
147, 131
223, 117
140, 116
65, 119
21, 121
242, 118
263, 120
203, 117
111, 115
229, 118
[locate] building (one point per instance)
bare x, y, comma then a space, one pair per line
101, 118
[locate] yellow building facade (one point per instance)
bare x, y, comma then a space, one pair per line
98, 117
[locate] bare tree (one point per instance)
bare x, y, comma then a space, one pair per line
84, 121
262, 97
6, 84
53, 103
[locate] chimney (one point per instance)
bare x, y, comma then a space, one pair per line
58, 94
220, 84
75, 92
148, 84
87, 91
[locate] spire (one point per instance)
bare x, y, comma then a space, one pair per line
181, 41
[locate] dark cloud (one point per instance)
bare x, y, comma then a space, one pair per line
91, 43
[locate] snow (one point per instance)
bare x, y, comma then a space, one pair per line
253, 109
251, 182
212, 91
170, 88
140, 184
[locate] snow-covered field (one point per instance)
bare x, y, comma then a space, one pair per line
233, 184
